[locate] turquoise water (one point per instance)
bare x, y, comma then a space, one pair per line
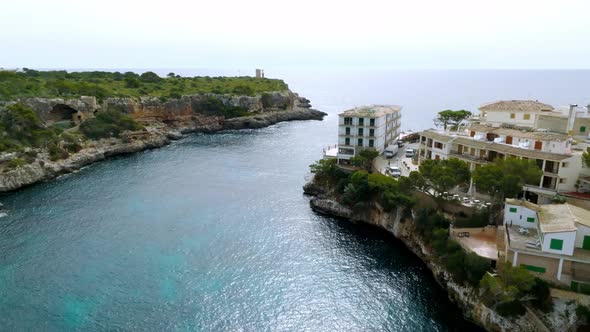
212, 233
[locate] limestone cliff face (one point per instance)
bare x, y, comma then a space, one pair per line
153, 108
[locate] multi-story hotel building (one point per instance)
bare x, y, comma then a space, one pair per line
374, 126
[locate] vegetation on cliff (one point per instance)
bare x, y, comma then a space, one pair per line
33, 83
507, 292
108, 124
21, 130
359, 188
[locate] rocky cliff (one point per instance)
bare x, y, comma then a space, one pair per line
165, 109
401, 225
163, 120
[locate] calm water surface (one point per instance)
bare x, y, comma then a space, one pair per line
212, 233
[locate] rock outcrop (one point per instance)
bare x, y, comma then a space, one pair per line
267, 119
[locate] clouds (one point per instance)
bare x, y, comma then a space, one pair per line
406, 34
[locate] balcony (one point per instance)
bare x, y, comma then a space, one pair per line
468, 156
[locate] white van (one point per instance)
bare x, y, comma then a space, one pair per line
390, 151
409, 153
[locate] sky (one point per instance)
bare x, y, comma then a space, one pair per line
410, 34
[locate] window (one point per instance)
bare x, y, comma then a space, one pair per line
564, 165
361, 121
530, 219
556, 244
513, 209
372, 122
347, 141
347, 121
438, 145
360, 142
371, 143
512, 115
347, 130
371, 132
534, 268
526, 116
583, 129
360, 131
562, 180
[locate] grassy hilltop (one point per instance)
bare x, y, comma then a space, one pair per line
63, 84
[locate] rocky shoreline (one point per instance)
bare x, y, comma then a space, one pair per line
157, 133
401, 225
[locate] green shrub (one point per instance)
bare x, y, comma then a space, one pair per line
476, 267
108, 124
57, 153
16, 163
243, 90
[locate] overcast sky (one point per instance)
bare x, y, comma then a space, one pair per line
265, 33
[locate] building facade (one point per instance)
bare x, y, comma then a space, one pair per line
553, 241
374, 126
515, 112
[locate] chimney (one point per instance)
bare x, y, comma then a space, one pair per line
571, 118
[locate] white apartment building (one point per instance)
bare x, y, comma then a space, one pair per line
374, 126
551, 240
515, 112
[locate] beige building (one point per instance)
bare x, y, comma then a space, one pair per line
552, 241
515, 112
557, 154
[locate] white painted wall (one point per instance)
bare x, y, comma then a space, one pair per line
519, 218
570, 173
386, 130
583, 230
569, 239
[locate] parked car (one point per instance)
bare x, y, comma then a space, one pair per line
394, 171
409, 153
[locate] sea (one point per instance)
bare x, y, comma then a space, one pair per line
213, 232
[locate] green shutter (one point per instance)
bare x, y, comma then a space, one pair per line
586, 243
556, 244
530, 219
512, 209
534, 268
583, 129
574, 286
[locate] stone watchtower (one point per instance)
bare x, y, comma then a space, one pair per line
259, 73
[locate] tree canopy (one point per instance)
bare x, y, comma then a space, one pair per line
452, 118
586, 157
365, 159
504, 178
442, 175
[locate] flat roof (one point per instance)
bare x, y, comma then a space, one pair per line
581, 215
523, 203
556, 218
517, 106
372, 110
